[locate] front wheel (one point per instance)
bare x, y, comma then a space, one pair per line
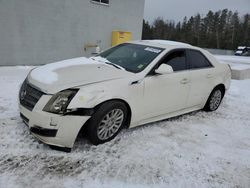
214, 100
107, 122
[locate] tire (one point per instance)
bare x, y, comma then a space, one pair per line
106, 122
214, 100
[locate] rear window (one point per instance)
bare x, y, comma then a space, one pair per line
197, 60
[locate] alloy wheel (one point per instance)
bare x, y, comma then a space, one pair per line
215, 100
110, 124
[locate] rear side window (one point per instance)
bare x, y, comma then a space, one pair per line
177, 60
197, 60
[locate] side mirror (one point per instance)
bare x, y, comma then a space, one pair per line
164, 69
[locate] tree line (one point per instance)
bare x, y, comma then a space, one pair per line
222, 29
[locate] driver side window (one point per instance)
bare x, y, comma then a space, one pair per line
177, 60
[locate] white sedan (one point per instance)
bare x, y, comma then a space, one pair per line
125, 86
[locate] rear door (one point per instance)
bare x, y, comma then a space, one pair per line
201, 75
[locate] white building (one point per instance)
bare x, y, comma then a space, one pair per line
36, 32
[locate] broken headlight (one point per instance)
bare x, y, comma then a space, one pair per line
60, 101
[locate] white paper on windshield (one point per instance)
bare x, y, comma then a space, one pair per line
153, 50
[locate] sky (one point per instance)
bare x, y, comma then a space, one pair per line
176, 9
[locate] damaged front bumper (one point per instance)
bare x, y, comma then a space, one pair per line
53, 129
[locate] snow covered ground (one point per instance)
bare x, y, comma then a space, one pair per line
234, 59
240, 65
195, 150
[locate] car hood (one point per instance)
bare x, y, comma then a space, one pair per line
66, 74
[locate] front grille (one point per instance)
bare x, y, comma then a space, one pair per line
29, 96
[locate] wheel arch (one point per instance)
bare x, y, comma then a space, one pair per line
222, 86
128, 120
82, 130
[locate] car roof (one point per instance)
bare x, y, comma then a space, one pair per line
164, 43
171, 45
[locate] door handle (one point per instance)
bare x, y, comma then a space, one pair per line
209, 76
184, 81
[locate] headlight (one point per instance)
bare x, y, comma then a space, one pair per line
60, 101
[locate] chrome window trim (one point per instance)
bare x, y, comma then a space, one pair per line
201, 68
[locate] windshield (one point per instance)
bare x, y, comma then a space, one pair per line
132, 57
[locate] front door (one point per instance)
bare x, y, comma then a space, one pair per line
167, 93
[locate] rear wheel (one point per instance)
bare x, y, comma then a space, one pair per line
214, 99
107, 122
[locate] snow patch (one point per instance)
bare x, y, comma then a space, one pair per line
167, 42
47, 74
233, 59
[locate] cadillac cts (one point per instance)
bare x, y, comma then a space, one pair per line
128, 85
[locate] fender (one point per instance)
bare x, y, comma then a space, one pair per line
90, 99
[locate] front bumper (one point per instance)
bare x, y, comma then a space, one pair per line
53, 129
